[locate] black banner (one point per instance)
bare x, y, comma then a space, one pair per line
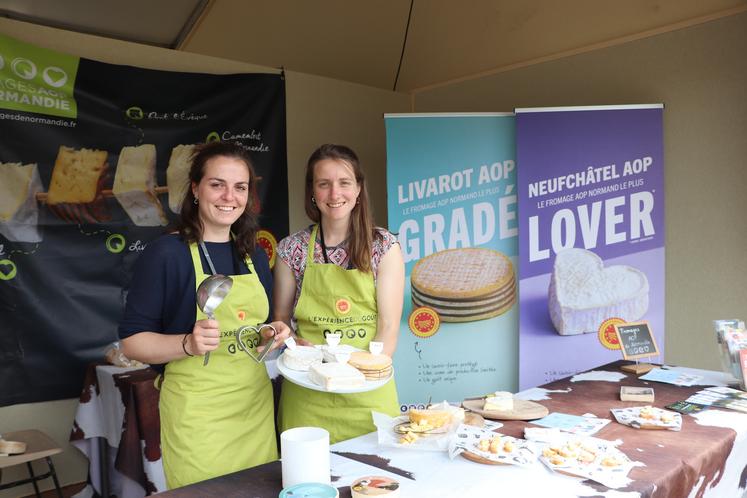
70, 229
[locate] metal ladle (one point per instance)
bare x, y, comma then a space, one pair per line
210, 294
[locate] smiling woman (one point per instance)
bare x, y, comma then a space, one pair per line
221, 195
162, 324
341, 275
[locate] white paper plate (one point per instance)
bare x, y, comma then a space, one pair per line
302, 379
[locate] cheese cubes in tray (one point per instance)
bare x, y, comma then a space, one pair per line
648, 417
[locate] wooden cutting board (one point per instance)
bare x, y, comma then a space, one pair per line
523, 410
471, 418
477, 458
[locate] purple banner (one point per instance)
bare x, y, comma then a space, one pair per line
591, 234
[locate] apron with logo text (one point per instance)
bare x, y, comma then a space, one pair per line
334, 299
218, 418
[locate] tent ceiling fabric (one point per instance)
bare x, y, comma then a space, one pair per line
362, 41
155, 22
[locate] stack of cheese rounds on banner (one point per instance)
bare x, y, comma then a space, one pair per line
373, 366
463, 285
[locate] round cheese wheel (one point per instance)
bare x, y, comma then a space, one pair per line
363, 360
302, 357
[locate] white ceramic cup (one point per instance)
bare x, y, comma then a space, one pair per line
304, 453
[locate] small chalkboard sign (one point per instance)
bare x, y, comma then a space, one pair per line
636, 340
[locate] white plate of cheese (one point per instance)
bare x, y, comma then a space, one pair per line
304, 379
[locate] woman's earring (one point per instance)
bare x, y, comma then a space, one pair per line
357, 200
313, 201
196, 201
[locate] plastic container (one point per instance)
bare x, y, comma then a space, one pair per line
309, 490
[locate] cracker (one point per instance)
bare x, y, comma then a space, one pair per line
378, 374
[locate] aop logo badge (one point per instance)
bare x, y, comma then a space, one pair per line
269, 243
424, 322
343, 306
607, 335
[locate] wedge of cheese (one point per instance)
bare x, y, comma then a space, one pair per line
501, 401
19, 212
583, 293
336, 376
14, 188
76, 175
177, 175
135, 183
301, 357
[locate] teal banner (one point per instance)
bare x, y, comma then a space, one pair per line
451, 182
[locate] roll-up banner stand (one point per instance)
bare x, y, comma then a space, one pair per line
451, 183
591, 234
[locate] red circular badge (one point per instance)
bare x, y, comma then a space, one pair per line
424, 321
343, 306
607, 335
268, 242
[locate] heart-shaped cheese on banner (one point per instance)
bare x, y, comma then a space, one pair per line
248, 339
583, 293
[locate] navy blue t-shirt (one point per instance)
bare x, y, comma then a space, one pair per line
162, 295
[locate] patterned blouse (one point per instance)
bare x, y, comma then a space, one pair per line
293, 249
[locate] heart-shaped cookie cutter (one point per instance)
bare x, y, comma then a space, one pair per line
251, 348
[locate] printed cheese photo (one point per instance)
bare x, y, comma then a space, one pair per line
19, 211
135, 183
583, 293
177, 175
464, 285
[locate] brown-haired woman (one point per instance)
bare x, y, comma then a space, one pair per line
216, 418
342, 257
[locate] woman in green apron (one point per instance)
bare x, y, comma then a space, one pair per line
340, 275
216, 417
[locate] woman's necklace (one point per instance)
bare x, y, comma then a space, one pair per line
332, 249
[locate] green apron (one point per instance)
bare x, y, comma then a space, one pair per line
334, 299
218, 419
